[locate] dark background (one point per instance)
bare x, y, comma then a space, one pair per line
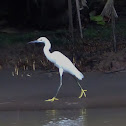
46, 14
26, 20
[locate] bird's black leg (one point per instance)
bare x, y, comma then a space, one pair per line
59, 86
61, 74
82, 90
77, 81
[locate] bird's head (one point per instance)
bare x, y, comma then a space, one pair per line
40, 40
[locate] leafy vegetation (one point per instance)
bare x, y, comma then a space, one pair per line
98, 19
92, 32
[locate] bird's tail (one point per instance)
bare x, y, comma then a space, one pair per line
79, 75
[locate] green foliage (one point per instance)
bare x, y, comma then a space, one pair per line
92, 33
59, 37
98, 33
98, 18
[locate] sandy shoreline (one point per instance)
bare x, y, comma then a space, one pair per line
30, 93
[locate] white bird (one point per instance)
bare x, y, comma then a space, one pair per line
61, 62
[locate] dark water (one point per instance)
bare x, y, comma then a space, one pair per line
83, 117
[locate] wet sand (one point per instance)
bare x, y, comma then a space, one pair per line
30, 93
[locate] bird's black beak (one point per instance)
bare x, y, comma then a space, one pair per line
33, 42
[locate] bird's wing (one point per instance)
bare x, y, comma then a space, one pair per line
62, 61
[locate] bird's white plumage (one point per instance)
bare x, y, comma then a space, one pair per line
62, 62
59, 60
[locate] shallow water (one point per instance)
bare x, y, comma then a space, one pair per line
82, 117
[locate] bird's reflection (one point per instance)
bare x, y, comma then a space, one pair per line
76, 117
66, 117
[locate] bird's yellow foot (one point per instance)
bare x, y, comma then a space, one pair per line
82, 92
52, 99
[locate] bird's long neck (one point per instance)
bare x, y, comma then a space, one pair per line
46, 49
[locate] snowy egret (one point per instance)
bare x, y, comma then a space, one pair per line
61, 62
